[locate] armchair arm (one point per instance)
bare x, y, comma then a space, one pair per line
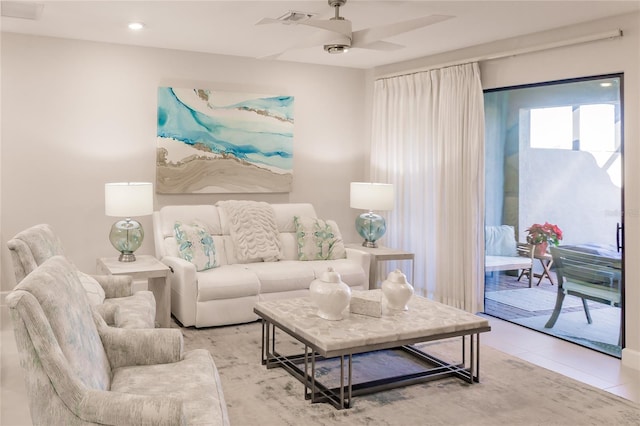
525, 250
126, 347
108, 312
116, 408
115, 285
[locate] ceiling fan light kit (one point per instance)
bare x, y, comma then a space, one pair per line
336, 48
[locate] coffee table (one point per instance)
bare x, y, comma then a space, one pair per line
358, 335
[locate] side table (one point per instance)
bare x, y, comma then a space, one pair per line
149, 268
546, 260
380, 254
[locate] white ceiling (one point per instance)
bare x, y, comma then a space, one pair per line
228, 27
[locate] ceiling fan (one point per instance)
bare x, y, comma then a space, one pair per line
338, 37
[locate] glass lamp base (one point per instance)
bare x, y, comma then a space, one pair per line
371, 227
126, 236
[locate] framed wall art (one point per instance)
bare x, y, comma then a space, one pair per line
212, 141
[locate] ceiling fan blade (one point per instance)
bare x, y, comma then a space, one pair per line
384, 46
341, 26
317, 39
264, 21
364, 37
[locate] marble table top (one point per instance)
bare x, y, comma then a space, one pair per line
425, 320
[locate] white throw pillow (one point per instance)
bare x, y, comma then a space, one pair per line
195, 245
318, 239
500, 240
94, 290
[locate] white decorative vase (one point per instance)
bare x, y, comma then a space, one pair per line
330, 295
397, 291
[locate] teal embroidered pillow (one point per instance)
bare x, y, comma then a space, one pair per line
195, 245
318, 239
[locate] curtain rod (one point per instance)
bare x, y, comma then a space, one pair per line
613, 34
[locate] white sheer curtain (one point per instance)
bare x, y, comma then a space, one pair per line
428, 140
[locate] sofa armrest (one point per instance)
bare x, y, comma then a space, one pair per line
362, 258
184, 284
126, 347
115, 285
116, 408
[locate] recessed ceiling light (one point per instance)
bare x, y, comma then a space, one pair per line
606, 84
136, 26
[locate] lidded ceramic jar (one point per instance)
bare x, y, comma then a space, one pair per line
330, 295
397, 290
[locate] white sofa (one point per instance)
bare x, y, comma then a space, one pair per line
226, 294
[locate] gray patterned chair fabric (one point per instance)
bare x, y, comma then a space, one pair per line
120, 306
80, 371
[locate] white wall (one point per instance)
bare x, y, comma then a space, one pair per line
603, 57
79, 114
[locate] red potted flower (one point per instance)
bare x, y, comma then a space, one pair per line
543, 235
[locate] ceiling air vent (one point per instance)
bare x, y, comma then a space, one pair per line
294, 17
21, 9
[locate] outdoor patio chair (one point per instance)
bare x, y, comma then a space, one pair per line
588, 276
503, 253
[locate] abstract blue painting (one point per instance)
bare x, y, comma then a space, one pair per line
223, 142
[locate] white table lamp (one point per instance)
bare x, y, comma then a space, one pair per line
127, 199
371, 196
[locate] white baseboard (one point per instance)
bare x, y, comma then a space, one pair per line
631, 358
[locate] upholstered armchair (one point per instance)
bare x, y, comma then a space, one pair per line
80, 371
111, 296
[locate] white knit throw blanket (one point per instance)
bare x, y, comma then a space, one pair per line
253, 229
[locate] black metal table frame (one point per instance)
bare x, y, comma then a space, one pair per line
340, 397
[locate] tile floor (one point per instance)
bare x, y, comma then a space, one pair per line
585, 365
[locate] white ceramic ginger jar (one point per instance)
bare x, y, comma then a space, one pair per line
397, 291
330, 295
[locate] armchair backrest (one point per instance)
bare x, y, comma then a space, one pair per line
60, 349
32, 247
587, 269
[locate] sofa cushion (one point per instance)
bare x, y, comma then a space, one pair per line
287, 211
227, 282
201, 392
196, 245
318, 239
500, 241
285, 275
205, 214
95, 292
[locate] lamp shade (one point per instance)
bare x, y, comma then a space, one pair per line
127, 199
372, 196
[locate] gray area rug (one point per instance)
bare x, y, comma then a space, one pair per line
531, 299
511, 391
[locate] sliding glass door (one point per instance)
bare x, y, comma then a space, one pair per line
554, 155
